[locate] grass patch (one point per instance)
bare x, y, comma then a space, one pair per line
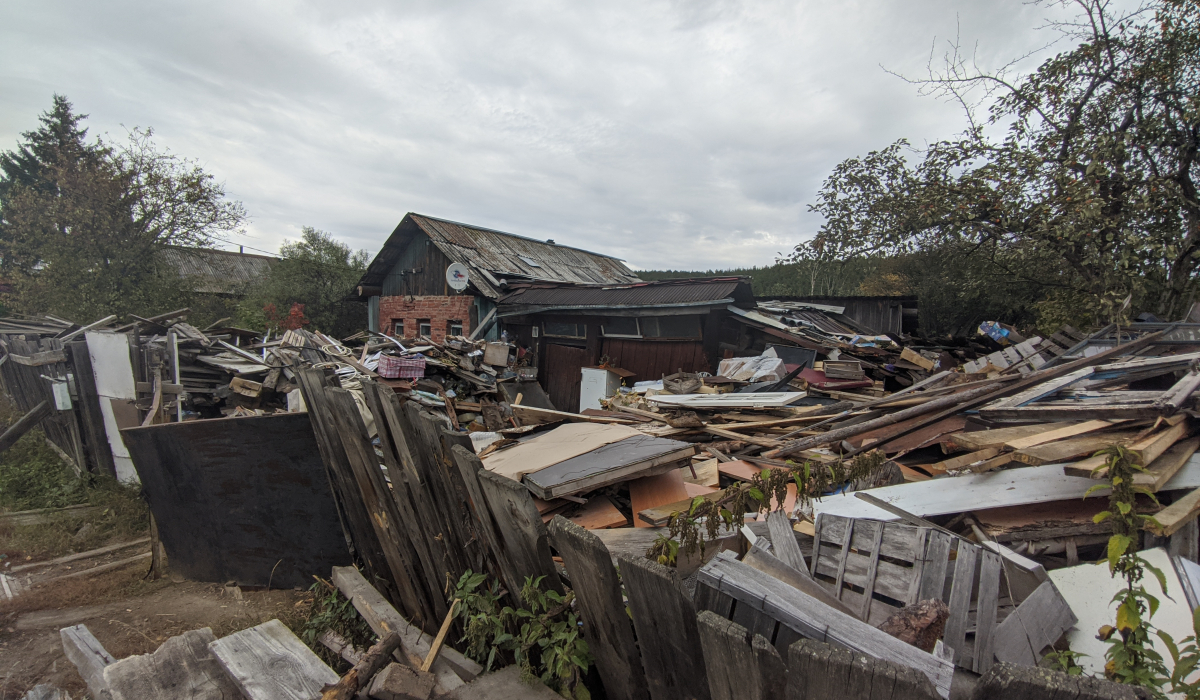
325, 608
32, 476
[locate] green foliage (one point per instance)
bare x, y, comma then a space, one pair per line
1079, 182
1064, 661
33, 476
690, 530
81, 223
330, 610
542, 635
318, 272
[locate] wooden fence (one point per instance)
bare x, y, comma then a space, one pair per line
78, 433
432, 512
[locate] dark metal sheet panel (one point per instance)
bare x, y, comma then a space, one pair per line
236, 498
638, 294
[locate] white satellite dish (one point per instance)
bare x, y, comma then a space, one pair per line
456, 276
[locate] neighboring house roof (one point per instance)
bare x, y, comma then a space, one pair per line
494, 255
217, 271
707, 291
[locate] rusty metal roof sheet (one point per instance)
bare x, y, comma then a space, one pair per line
659, 293
217, 271
494, 255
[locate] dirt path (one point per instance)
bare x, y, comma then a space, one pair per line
127, 614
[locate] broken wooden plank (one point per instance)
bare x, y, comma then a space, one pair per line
1145, 451
1035, 624
1166, 465
522, 532
451, 667
269, 662
1170, 519
652, 491
962, 461
783, 541
764, 561
811, 619
739, 665
976, 440
1071, 448
89, 656
599, 513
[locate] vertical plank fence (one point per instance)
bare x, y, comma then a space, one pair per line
606, 627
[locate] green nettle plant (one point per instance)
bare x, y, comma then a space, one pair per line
689, 530
543, 635
1131, 656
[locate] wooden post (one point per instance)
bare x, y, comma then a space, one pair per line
606, 627
665, 621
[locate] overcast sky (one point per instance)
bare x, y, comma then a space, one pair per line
685, 135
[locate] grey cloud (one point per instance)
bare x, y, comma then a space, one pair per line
673, 134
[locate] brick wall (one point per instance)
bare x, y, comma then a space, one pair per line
439, 311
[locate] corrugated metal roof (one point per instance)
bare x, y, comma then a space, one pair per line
217, 271
492, 255
659, 293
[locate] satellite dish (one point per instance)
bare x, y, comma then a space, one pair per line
456, 276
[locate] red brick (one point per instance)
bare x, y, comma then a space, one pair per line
439, 310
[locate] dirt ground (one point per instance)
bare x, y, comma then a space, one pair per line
128, 614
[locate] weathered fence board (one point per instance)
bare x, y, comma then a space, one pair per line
667, 633
606, 627
740, 665
522, 533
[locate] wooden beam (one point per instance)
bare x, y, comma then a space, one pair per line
269, 662
1168, 520
26, 423
1061, 433
451, 667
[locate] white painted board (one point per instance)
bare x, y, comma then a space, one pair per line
109, 353
1008, 487
765, 399
1089, 588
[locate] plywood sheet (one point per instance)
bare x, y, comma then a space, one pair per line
1089, 589
651, 491
555, 446
241, 499
707, 473
739, 469
694, 490
599, 513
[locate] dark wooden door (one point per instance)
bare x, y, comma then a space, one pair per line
563, 375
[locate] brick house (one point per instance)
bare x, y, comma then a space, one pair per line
405, 285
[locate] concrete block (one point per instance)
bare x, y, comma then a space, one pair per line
399, 682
